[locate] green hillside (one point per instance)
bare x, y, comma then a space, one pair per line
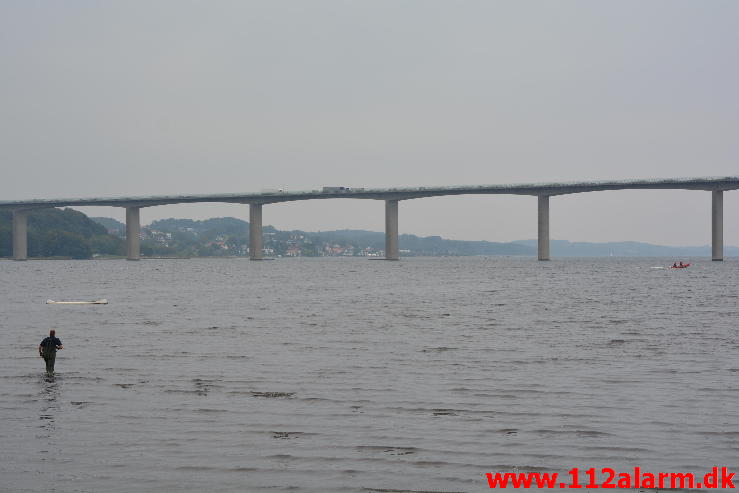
228, 236
61, 233
66, 233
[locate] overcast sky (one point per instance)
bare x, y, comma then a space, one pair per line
114, 98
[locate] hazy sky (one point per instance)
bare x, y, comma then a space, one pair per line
111, 98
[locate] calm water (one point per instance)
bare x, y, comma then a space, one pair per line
351, 375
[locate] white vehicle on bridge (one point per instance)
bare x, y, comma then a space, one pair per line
342, 189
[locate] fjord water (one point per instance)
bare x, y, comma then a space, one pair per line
342, 374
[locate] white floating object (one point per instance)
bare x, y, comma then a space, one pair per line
94, 302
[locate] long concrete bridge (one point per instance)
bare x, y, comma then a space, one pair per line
392, 196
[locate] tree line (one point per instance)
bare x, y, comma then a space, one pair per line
65, 233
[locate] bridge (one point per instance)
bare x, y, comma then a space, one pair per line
392, 196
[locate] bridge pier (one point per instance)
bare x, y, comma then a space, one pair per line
255, 231
20, 234
717, 225
133, 233
391, 230
543, 219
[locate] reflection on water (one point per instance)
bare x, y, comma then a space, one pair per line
50, 390
346, 375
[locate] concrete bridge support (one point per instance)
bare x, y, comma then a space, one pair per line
391, 230
133, 233
543, 227
255, 231
20, 235
717, 225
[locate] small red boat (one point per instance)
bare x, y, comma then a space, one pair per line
681, 266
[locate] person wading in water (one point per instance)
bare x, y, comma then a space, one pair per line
48, 348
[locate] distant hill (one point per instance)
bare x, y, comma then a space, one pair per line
113, 226
216, 225
227, 236
60, 233
563, 248
230, 236
429, 245
69, 233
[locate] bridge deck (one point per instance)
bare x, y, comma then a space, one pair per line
405, 193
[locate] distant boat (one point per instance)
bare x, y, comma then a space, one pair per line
94, 302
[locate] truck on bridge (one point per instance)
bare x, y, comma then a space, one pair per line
342, 189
